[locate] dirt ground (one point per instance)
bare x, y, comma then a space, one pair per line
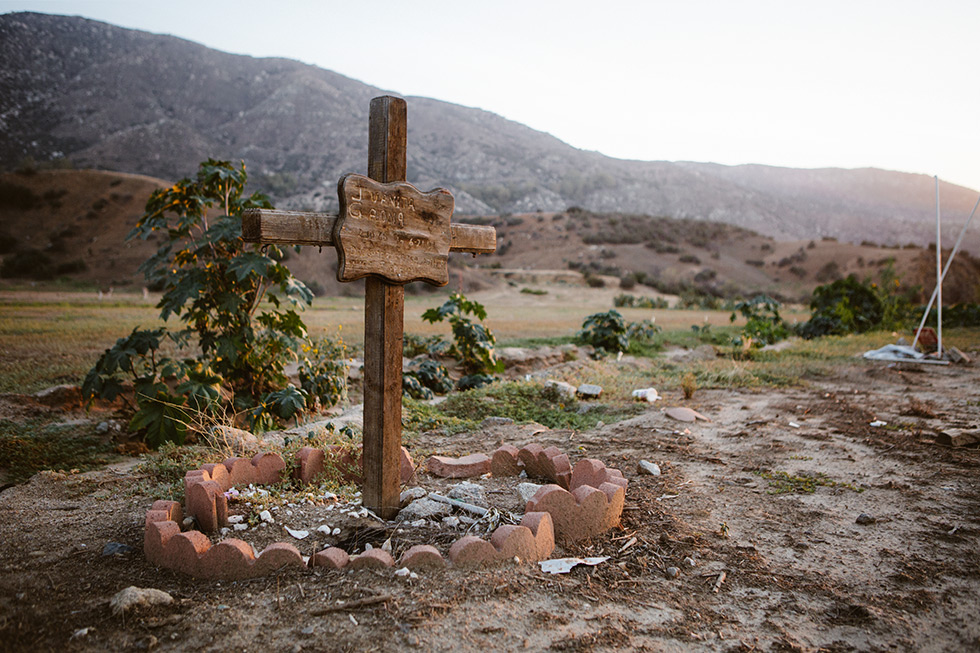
757, 568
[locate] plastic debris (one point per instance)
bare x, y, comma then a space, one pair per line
649, 395
565, 565
299, 535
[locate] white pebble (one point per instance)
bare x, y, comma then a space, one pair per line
235, 519
266, 516
336, 531
241, 527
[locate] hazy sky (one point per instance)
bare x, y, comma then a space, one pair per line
823, 83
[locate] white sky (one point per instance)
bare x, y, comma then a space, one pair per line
822, 83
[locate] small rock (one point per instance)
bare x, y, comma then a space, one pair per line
468, 493
238, 441
187, 524
404, 572
451, 521
335, 532
309, 630
528, 490
690, 561
137, 596
957, 356
236, 519
423, 509
410, 495
865, 518
649, 468
299, 535
266, 516
564, 389
418, 523
112, 548
495, 421
102, 428
684, 414
589, 391
241, 527
672, 572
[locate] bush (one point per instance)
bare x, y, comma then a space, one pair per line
237, 301
605, 331
844, 306
473, 344
323, 370
764, 326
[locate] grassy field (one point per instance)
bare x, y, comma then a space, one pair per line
54, 337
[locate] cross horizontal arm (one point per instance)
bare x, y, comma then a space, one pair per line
268, 226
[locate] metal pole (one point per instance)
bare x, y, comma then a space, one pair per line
949, 262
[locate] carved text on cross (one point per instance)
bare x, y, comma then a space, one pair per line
390, 233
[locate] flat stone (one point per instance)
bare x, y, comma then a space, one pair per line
648, 468
566, 390
238, 441
490, 422
133, 596
469, 493
411, 494
423, 509
684, 414
528, 490
589, 391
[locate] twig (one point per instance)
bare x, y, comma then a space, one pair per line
350, 605
721, 579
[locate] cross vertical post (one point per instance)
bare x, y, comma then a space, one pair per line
384, 316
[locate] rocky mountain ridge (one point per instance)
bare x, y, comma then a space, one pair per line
111, 98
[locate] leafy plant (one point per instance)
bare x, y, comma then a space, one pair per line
844, 306
605, 331
236, 300
431, 375
323, 370
473, 343
763, 326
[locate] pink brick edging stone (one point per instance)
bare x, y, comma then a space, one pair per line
192, 553
476, 464
578, 504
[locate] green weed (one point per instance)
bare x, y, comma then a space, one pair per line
785, 483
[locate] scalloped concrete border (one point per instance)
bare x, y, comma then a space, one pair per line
592, 505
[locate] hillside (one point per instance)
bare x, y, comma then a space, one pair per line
73, 224
83, 93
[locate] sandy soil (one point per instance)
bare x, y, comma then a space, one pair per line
758, 570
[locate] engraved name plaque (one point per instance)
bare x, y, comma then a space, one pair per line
392, 231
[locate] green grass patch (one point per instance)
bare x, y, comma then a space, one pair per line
786, 483
531, 402
35, 445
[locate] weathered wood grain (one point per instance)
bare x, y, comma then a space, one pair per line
392, 231
304, 228
384, 315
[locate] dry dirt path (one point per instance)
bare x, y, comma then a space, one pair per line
771, 571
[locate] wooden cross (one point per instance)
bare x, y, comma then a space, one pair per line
391, 233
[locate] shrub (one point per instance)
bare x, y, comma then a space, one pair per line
764, 326
844, 306
237, 301
473, 343
605, 331
323, 370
